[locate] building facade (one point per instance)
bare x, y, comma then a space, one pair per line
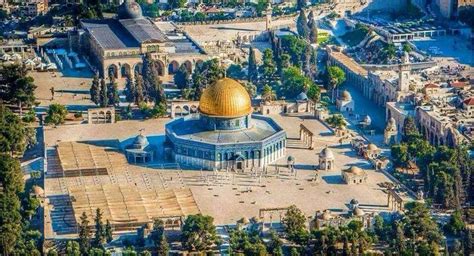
117, 45
225, 134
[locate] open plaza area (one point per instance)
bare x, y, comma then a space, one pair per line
226, 195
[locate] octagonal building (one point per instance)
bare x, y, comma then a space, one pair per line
225, 134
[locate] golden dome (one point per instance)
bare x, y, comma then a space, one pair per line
225, 98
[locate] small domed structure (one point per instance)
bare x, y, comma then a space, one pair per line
344, 102
354, 175
140, 142
358, 212
372, 146
129, 9
38, 191
346, 95
367, 121
353, 204
140, 150
326, 215
302, 96
326, 159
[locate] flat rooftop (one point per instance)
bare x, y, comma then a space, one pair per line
191, 129
350, 63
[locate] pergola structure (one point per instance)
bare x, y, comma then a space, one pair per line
74, 159
128, 207
307, 136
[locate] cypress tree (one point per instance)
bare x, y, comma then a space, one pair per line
95, 90
311, 18
313, 34
252, 67
302, 25
139, 94
99, 237
113, 94
103, 94
108, 232
84, 234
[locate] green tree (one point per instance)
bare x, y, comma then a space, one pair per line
177, 4
10, 221
409, 130
199, 233
95, 90
17, 87
336, 77
99, 237
400, 154
313, 33
252, 66
455, 226
294, 82
268, 67
407, 47
294, 223
302, 25
235, 71
108, 232
300, 4
73, 248
205, 74
468, 242
275, 245
14, 135
268, 94
250, 88
337, 121
84, 234
103, 97
113, 94
389, 50
56, 114
139, 93
314, 93
181, 77
159, 238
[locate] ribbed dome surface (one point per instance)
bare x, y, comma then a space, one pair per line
129, 9
225, 98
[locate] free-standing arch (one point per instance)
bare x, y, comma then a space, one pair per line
173, 67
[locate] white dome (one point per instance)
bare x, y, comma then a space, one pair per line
326, 153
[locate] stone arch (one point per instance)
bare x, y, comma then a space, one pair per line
186, 110
125, 70
112, 71
194, 109
189, 66
178, 110
138, 67
173, 67
108, 117
160, 67
199, 63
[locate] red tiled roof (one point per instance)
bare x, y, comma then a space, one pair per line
469, 101
458, 84
431, 86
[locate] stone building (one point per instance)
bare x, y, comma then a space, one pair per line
354, 175
390, 133
116, 46
326, 159
225, 134
344, 102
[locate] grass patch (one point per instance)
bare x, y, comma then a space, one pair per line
354, 37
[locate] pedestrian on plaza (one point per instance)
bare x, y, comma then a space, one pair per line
52, 93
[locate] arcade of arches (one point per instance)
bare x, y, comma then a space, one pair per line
119, 70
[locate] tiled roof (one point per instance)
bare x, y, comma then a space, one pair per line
469, 101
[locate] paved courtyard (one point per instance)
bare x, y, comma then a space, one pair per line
226, 196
